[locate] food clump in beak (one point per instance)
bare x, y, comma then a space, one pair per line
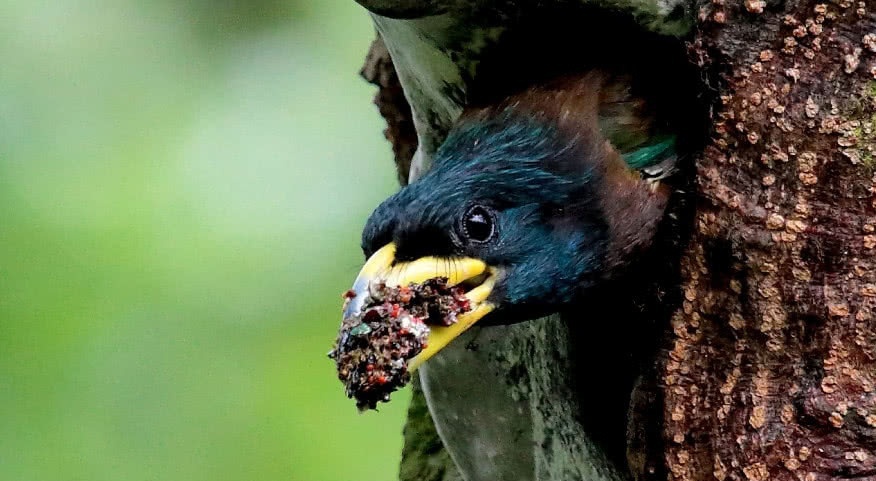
374, 346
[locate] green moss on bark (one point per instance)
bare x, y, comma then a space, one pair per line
424, 457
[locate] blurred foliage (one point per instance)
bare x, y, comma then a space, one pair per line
182, 188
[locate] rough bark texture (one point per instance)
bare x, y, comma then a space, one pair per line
390, 99
770, 367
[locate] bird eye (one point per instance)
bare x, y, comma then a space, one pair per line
478, 225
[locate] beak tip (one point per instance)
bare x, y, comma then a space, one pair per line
381, 267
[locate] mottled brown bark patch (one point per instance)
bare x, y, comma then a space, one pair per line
772, 364
393, 106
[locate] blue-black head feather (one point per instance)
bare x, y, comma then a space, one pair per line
562, 201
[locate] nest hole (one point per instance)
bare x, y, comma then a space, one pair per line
551, 42
629, 315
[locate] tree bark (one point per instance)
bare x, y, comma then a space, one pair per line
772, 365
769, 368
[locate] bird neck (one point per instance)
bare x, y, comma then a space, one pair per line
505, 401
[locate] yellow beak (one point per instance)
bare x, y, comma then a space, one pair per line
380, 267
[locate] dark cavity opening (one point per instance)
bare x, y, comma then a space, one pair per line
551, 42
625, 325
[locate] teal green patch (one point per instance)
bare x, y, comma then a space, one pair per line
651, 155
360, 330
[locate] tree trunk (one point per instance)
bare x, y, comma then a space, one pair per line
772, 366
769, 365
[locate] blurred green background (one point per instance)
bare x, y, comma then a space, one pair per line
182, 188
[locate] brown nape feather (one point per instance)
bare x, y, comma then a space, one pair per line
632, 207
590, 109
624, 118
585, 106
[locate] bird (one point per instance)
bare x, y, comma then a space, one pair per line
534, 200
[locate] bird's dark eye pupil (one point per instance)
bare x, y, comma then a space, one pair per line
478, 224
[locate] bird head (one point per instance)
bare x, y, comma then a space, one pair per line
526, 205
